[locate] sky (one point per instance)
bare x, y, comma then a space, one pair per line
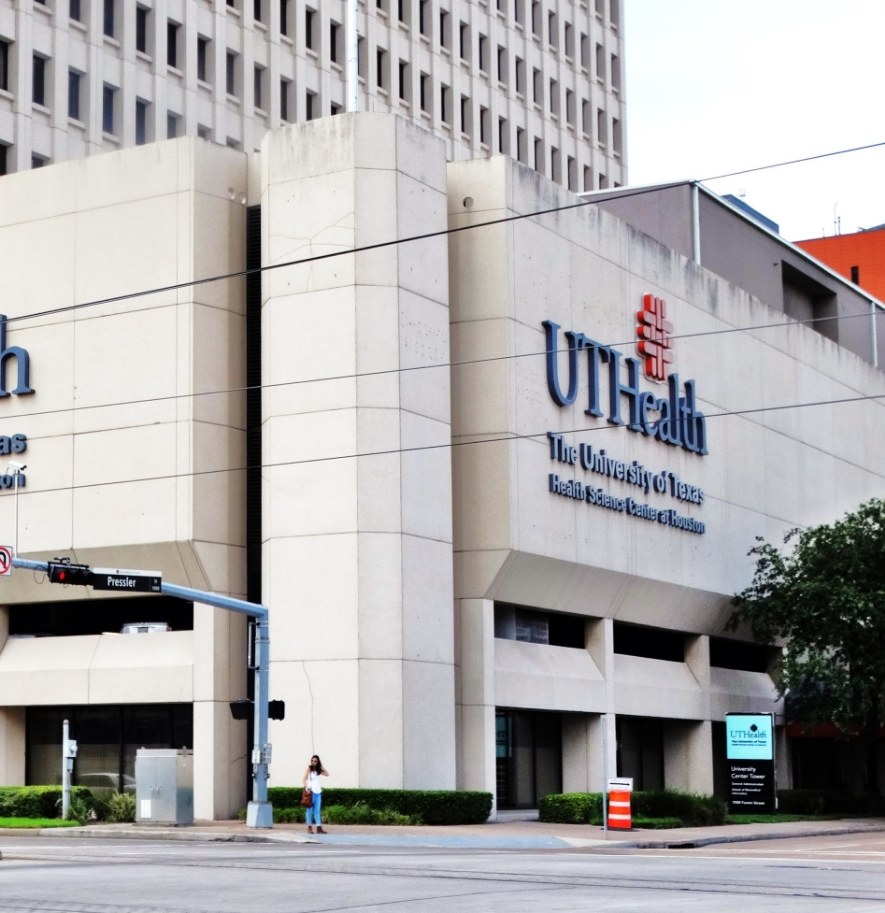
718, 86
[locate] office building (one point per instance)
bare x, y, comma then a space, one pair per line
497, 538
539, 81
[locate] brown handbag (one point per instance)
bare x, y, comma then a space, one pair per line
307, 798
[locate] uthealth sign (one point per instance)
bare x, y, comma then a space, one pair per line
672, 419
22, 360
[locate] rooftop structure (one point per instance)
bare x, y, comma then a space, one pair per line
859, 256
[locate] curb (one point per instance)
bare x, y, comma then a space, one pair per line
440, 839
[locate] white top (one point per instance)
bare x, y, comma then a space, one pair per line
315, 782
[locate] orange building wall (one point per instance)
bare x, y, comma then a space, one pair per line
864, 249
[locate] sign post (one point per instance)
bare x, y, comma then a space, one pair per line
749, 750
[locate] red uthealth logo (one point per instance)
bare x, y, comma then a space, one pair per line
654, 331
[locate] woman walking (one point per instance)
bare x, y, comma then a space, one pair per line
312, 781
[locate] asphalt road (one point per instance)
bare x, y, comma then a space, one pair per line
834, 874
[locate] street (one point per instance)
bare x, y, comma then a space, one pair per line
843, 874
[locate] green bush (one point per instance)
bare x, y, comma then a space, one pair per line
419, 806
686, 809
119, 808
657, 824
40, 801
360, 813
571, 808
691, 809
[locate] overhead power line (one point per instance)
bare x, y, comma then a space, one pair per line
426, 236
539, 436
799, 161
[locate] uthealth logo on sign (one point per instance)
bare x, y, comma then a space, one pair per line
23, 364
673, 419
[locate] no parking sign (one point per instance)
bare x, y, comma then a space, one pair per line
6, 553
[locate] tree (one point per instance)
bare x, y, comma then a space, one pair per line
825, 600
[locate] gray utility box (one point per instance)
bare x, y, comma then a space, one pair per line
164, 786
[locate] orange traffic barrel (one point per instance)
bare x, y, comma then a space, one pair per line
619, 812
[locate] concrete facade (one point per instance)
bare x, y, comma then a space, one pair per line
540, 81
410, 529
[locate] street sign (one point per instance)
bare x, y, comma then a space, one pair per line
123, 581
6, 554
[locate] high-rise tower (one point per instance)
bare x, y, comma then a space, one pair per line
540, 80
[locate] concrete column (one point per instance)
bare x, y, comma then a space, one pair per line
697, 658
357, 434
477, 744
220, 774
12, 746
600, 644
783, 762
688, 747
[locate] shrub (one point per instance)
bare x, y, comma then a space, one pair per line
39, 801
571, 808
686, 809
81, 808
419, 806
691, 809
658, 824
119, 808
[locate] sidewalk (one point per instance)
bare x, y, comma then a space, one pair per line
514, 832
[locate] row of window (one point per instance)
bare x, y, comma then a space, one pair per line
521, 8
556, 38
554, 96
382, 71
513, 622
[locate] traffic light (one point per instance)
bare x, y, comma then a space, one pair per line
276, 710
62, 571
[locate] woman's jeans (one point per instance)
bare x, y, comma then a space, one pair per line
313, 810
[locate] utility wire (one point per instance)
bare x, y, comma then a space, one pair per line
239, 274
539, 436
447, 365
807, 158
316, 258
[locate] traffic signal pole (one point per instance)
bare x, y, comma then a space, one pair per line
259, 812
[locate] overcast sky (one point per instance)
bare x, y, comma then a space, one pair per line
717, 86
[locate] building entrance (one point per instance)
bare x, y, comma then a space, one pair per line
528, 754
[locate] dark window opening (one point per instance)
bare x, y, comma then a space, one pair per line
557, 629
4, 65
651, 643
96, 616
141, 29
172, 29
109, 19
39, 84
74, 79
737, 654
